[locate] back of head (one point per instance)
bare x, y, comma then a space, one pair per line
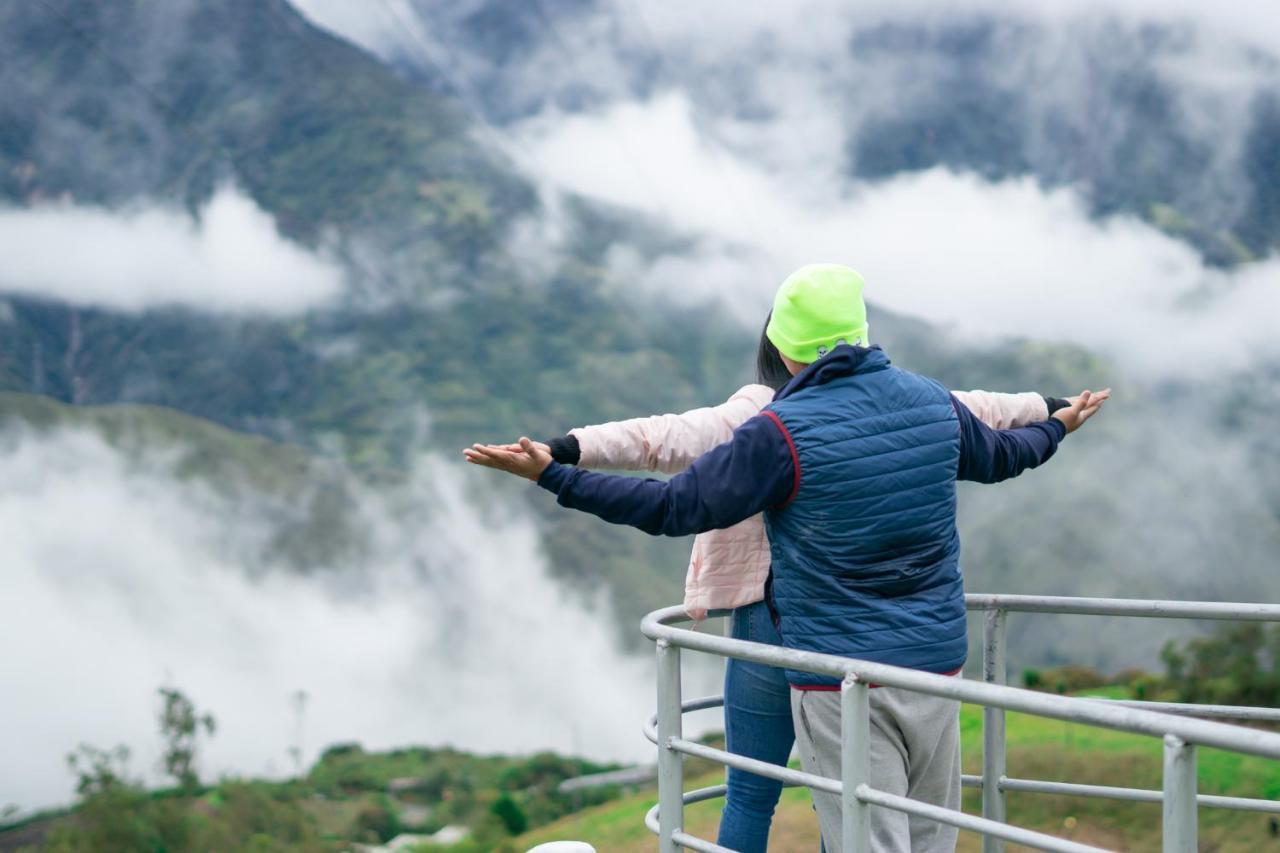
770, 370
817, 308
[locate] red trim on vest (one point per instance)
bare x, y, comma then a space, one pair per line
795, 457
831, 688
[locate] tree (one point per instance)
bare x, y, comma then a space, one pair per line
98, 769
180, 727
1239, 664
114, 812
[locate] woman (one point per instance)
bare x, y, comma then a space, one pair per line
728, 568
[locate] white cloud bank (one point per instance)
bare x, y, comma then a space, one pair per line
231, 260
118, 579
807, 26
989, 259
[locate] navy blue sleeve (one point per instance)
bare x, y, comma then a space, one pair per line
751, 472
990, 455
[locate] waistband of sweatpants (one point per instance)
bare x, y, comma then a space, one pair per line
830, 688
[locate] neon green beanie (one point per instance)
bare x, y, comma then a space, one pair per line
818, 307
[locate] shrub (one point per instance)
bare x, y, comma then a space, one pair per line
377, 822
1072, 677
509, 812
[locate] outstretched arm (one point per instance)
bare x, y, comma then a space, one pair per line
751, 472
1006, 411
990, 455
666, 443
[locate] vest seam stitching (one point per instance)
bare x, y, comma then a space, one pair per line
795, 455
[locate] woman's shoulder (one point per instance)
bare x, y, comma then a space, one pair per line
758, 396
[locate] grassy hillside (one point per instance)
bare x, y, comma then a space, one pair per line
202, 448
1038, 748
508, 804
308, 500
348, 796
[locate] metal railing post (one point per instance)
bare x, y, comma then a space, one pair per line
1179, 796
994, 671
855, 764
670, 762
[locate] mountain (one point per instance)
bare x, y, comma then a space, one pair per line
455, 326
1157, 118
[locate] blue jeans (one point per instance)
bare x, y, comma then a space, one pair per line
757, 723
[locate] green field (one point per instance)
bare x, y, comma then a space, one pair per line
1037, 748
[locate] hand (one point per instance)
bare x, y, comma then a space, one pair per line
516, 448
527, 459
1083, 407
1096, 396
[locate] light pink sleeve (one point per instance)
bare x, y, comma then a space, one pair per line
1004, 411
668, 443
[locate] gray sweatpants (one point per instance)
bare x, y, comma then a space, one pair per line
915, 752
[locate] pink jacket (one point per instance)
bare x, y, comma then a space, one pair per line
728, 567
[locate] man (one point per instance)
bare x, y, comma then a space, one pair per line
855, 464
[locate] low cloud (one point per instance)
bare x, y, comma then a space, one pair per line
820, 90
230, 259
986, 259
120, 578
812, 26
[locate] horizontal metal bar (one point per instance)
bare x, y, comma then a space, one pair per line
636, 775
1191, 709
1070, 709
696, 796
1138, 795
687, 707
693, 842
1103, 792
972, 823
1242, 611
753, 765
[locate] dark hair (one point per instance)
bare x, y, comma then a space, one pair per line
769, 367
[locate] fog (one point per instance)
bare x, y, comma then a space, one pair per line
741, 129
810, 25
120, 578
983, 259
229, 259
1170, 483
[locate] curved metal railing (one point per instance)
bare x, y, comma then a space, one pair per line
1173, 722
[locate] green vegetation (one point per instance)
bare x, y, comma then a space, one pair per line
508, 804
348, 795
180, 726
1037, 748
1239, 664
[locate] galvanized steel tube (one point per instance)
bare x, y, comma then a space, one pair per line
972, 823
1137, 795
1192, 709
1103, 714
1179, 796
1238, 611
670, 763
855, 764
994, 671
758, 767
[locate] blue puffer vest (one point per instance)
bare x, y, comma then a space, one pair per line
866, 554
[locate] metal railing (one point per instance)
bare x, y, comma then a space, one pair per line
1174, 723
